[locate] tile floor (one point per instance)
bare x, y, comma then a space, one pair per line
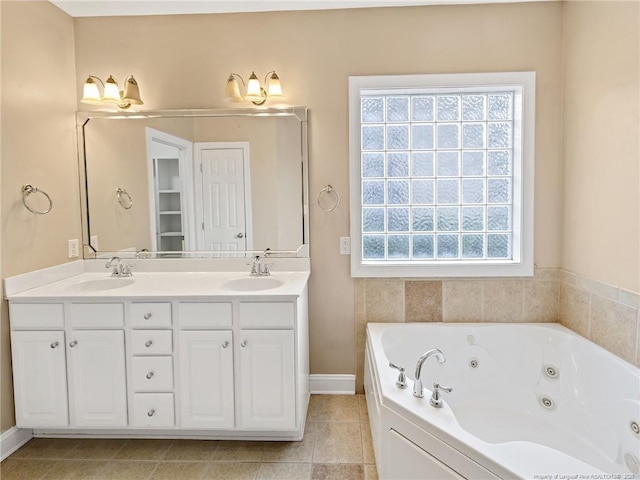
336, 446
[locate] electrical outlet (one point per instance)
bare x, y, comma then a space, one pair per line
345, 245
74, 248
93, 241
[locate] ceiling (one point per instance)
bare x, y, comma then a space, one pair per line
100, 8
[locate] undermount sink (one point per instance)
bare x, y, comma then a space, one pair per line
101, 284
252, 284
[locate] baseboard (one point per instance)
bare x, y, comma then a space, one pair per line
12, 439
332, 384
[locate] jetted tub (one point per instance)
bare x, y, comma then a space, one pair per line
530, 401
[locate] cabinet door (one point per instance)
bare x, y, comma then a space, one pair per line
267, 379
39, 379
97, 381
206, 379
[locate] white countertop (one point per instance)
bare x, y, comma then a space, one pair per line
78, 282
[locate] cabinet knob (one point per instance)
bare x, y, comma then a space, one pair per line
244, 343
73, 343
149, 375
147, 316
151, 412
148, 343
225, 344
54, 344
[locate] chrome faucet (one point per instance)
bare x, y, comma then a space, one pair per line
260, 268
120, 269
417, 384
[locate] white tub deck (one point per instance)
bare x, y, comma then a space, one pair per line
529, 401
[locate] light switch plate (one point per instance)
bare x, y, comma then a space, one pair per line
74, 248
345, 245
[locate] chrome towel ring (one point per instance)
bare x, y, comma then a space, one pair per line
327, 191
28, 190
124, 198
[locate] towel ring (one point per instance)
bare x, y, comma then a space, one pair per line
327, 191
28, 190
124, 198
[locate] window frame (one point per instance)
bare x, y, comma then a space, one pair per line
522, 264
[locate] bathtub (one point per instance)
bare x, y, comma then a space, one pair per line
532, 401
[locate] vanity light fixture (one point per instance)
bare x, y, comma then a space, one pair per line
254, 92
111, 93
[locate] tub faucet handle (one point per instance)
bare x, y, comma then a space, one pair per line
402, 378
436, 400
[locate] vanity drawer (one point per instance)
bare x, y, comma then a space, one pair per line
153, 410
152, 374
150, 315
151, 342
36, 315
266, 314
204, 315
90, 315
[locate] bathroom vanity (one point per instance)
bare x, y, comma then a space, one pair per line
161, 353
191, 345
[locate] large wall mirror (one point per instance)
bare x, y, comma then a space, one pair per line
193, 183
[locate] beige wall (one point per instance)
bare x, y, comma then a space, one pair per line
183, 61
38, 147
601, 235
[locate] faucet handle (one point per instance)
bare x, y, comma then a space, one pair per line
436, 400
265, 268
402, 378
127, 269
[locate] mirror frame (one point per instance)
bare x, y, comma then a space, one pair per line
84, 117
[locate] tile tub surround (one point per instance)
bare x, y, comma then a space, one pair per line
605, 314
336, 445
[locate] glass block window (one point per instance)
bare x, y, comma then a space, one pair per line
438, 171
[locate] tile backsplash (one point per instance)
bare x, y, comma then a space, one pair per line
605, 314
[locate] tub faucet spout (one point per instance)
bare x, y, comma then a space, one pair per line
417, 384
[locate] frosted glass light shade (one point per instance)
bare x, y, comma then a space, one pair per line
91, 93
111, 91
253, 89
275, 89
232, 92
131, 92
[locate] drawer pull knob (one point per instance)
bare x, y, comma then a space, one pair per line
54, 344
151, 412
149, 375
225, 344
148, 343
147, 316
244, 343
73, 344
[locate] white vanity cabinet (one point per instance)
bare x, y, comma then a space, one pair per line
238, 365
267, 364
216, 366
151, 365
69, 369
96, 364
39, 378
206, 378
267, 379
97, 383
